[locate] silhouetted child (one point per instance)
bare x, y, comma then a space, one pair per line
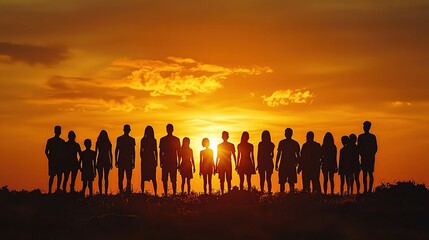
345, 164
207, 167
187, 165
355, 164
87, 163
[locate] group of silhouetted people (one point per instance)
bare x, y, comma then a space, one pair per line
357, 154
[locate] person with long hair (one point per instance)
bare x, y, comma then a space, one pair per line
265, 160
187, 164
103, 149
329, 161
207, 166
72, 150
245, 161
149, 158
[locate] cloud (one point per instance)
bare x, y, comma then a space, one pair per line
286, 97
400, 104
180, 76
32, 54
154, 106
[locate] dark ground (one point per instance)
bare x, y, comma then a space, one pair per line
394, 211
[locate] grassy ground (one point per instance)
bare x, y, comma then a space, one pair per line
394, 211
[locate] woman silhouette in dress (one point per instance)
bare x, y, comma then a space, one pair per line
265, 160
245, 161
149, 158
187, 165
103, 149
207, 166
329, 161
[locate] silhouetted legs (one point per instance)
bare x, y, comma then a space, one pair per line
306, 178
173, 176
188, 182
356, 176
65, 180
342, 181
222, 177
85, 184
73, 179
262, 180
328, 176
155, 186
249, 181
207, 180
101, 172
129, 173
51, 182
265, 175
365, 181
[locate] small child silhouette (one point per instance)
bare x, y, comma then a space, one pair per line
87, 163
187, 165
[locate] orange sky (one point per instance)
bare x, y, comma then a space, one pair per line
209, 66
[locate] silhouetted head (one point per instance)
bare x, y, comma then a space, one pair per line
328, 139
127, 129
206, 142
266, 136
170, 128
353, 138
366, 126
244, 137
103, 137
72, 136
186, 142
57, 131
345, 140
225, 135
288, 133
149, 133
310, 136
87, 143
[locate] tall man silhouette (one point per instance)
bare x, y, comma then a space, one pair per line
288, 156
125, 157
367, 145
169, 150
223, 161
311, 153
54, 151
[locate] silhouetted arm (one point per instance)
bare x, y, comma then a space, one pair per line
141, 150
110, 155
47, 148
192, 160
117, 154
258, 156
217, 159
252, 157
178, 153
235, 158
375, 145
156, 154
133, 157
239, 156
201, 161
97, 153
279, 154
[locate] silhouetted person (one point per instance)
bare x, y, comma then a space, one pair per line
207, 166
87, 161
149, 158
103, 148
187, 164
311, 154
288, 154
355, 164
265, 160
71, 164
125, 157
223, 161
245, 161
345, 170
54, 151
169, 154
367, 143
329, 161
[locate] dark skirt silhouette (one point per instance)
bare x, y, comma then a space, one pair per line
148, 164
245, 165
103, 159
186, 164
207, 161
265, 157
329, 158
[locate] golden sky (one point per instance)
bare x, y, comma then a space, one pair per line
209, 66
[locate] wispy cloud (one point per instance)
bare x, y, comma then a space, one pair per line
32, 54
180, 76
154, 106
286, 97
400, 104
